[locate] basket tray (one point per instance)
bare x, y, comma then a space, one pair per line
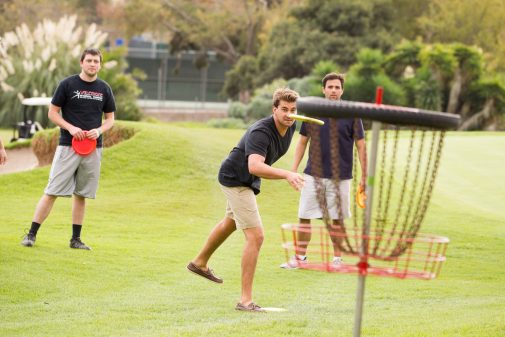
388, 254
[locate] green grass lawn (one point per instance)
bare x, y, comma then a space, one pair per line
157, 202
5, 135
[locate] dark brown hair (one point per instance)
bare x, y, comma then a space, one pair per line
91, 51
333, 76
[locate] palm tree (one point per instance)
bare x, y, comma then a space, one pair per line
492, 93
468, 70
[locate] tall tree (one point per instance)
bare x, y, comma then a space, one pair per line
230, 28
472, 22
406, 14
488, 104
452, 78
468, 70
366, 75
326, 30
31, 12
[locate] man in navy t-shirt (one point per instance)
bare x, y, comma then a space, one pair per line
82, 99
348, 132
240, 177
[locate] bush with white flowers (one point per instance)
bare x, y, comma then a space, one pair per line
33, 62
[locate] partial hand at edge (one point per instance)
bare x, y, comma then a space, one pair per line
295, 180
3, 156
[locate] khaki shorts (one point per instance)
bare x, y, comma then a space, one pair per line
241, 206
309, 206
74, 174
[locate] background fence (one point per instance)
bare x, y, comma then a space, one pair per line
175, 77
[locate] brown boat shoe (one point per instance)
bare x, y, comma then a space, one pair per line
208, 274
253, 307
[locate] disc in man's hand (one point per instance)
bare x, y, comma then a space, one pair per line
361, 197
83, 147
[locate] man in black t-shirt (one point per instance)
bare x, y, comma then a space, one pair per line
240, 177
350, 133
82, 99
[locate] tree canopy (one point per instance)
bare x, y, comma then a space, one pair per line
443, 54
326, 30
471, 22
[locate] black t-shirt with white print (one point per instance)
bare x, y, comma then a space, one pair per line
261, 138
83, 104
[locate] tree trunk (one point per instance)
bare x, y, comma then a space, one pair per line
465, 110
476, 121
244, 96
452, 106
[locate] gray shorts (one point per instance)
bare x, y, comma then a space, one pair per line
309, 205
74, 174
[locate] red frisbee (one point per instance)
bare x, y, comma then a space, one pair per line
83, 147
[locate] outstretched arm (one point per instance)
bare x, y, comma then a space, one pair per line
301, 146
257, 167
361, 146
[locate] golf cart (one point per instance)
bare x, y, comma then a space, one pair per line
27, 128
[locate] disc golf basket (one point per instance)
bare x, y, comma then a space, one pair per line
382, 239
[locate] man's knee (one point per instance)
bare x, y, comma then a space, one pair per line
258, 239
47, 200
255, 236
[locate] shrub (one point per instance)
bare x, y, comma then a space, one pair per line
44, 145
305, 86
123, 85
44, 142
32, 63
237, 110
261, 104
227, 123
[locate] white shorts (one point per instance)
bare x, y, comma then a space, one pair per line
242, 207
309, 205
74, 174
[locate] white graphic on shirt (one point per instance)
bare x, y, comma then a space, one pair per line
85, 94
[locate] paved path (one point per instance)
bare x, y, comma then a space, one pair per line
19, 160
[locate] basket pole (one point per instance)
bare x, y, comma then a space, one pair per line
363, 264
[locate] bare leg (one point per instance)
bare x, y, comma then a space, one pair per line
217, 236
78, 208
336, 229
254, 239
43, 208
304, 237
